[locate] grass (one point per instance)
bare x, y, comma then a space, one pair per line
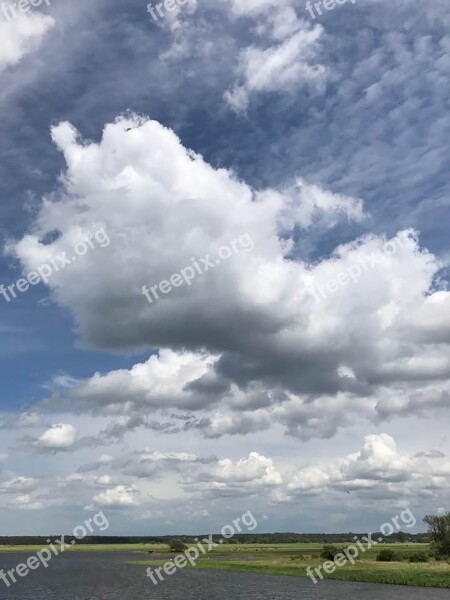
294, 559
397, 573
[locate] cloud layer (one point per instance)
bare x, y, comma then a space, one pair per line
253, 384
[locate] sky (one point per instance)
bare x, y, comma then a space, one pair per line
225, 264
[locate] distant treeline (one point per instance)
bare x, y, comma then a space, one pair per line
249, 538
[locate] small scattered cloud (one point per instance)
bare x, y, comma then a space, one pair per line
59, 437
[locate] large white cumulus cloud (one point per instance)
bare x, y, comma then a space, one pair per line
162, 205
255, 335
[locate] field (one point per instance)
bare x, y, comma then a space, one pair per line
294, 559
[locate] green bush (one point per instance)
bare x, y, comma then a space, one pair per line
177, 545
387, 555
419, 557
329, 552
440, 551
444, 548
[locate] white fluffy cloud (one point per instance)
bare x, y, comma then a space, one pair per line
58, 437
318, 349
306, 204
159, 382
377, 470
120, 496
21, 35
245, 476
160, 210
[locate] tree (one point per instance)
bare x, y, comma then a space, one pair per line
177, 545
401, 537
439, 527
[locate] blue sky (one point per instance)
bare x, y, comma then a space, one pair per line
321, 139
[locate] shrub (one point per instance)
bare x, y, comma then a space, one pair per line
440, 551
418, 557
386, 555
444, 548
329, 552
177, 545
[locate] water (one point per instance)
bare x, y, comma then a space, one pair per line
99, 576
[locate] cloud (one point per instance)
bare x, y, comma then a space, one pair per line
285, 63
58, 437
302, 361
27, 420
157, 464
174, 19
18, 484
140, 482
255, 7
25, 502
283, 58
120, 496
305, 205
22, 35
261, 347
172, 192
156, 383
430, 454
378, 470
207, 477
243, 477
